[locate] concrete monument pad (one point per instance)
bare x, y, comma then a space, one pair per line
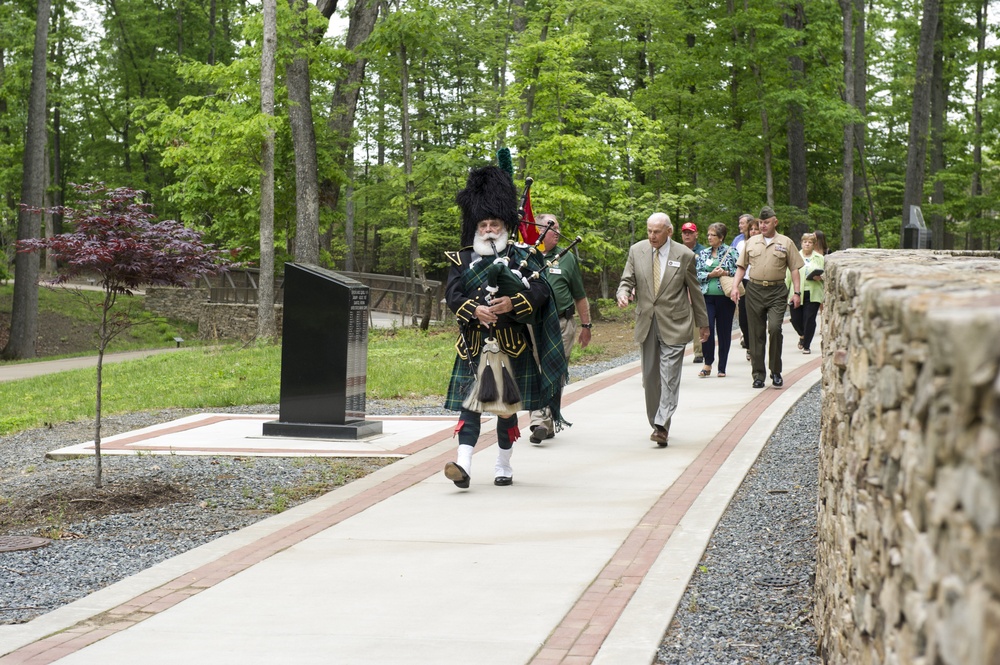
240, 435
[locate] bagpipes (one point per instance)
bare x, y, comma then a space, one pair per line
495, 389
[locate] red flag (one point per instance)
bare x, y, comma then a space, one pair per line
529, 232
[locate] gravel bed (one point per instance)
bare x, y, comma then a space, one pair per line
732, 612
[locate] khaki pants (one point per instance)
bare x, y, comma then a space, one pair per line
695, 338
765, 313
568, 329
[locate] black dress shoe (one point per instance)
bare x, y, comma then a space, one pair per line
503, 481
457, 475
776, 380
699, 359
660, 436
757, 383
540, 433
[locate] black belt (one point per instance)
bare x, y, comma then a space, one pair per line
765, 282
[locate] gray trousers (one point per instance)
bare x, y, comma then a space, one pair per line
661, 376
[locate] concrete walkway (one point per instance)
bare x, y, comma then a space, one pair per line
582, 560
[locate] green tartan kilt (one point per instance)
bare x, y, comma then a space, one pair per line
525, 371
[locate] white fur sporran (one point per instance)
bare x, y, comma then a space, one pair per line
495, 383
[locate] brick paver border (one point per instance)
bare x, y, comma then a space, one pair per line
579, 636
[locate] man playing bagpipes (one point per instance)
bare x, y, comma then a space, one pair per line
496, 293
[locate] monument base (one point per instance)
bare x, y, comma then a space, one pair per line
351, 430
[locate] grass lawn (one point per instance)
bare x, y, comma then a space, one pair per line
402, 363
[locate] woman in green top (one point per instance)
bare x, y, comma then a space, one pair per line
804, 317
713, 262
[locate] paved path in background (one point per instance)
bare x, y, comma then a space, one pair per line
11, 372
582, 560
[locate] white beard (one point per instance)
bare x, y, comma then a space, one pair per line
481, 244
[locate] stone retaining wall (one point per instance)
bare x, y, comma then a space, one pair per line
908, 563
230, 321
215, 320
176, 303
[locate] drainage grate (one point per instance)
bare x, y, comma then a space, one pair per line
779, 580
15, 543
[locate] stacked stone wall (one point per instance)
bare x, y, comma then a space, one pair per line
215, 321
176, 303
232, 321
908, 561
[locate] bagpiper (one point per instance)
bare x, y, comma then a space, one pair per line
495, 293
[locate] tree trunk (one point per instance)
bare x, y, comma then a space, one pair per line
103, 338
47, 224
344, 105
59, 21
300, 118
916, 152
24, 310
212, 9
847, 196
306, 249
529, 98
798, 192
412, 213
861, 103
350, 265
180, 28
977, 145
98, 481
265, 289
939, 104
765, 127
736, 108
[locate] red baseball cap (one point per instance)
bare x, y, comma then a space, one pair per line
689, 227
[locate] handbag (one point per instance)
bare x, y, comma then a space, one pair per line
726, 281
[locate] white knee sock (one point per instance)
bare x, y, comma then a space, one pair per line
465, 458
503, 467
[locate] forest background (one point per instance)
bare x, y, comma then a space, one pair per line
839, 114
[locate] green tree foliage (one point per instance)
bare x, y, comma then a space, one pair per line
615, 109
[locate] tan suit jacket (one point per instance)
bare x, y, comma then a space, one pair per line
678, 297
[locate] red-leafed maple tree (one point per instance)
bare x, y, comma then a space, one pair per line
118, 238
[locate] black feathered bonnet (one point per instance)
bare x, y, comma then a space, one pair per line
489, 194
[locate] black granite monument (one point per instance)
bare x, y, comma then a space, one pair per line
324, 357
916, 235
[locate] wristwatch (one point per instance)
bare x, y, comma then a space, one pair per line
798, 293
587, 325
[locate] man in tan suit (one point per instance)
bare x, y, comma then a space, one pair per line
661, 274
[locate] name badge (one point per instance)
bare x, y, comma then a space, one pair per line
555, 271
674, 264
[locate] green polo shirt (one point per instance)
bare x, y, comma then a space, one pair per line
565, 279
